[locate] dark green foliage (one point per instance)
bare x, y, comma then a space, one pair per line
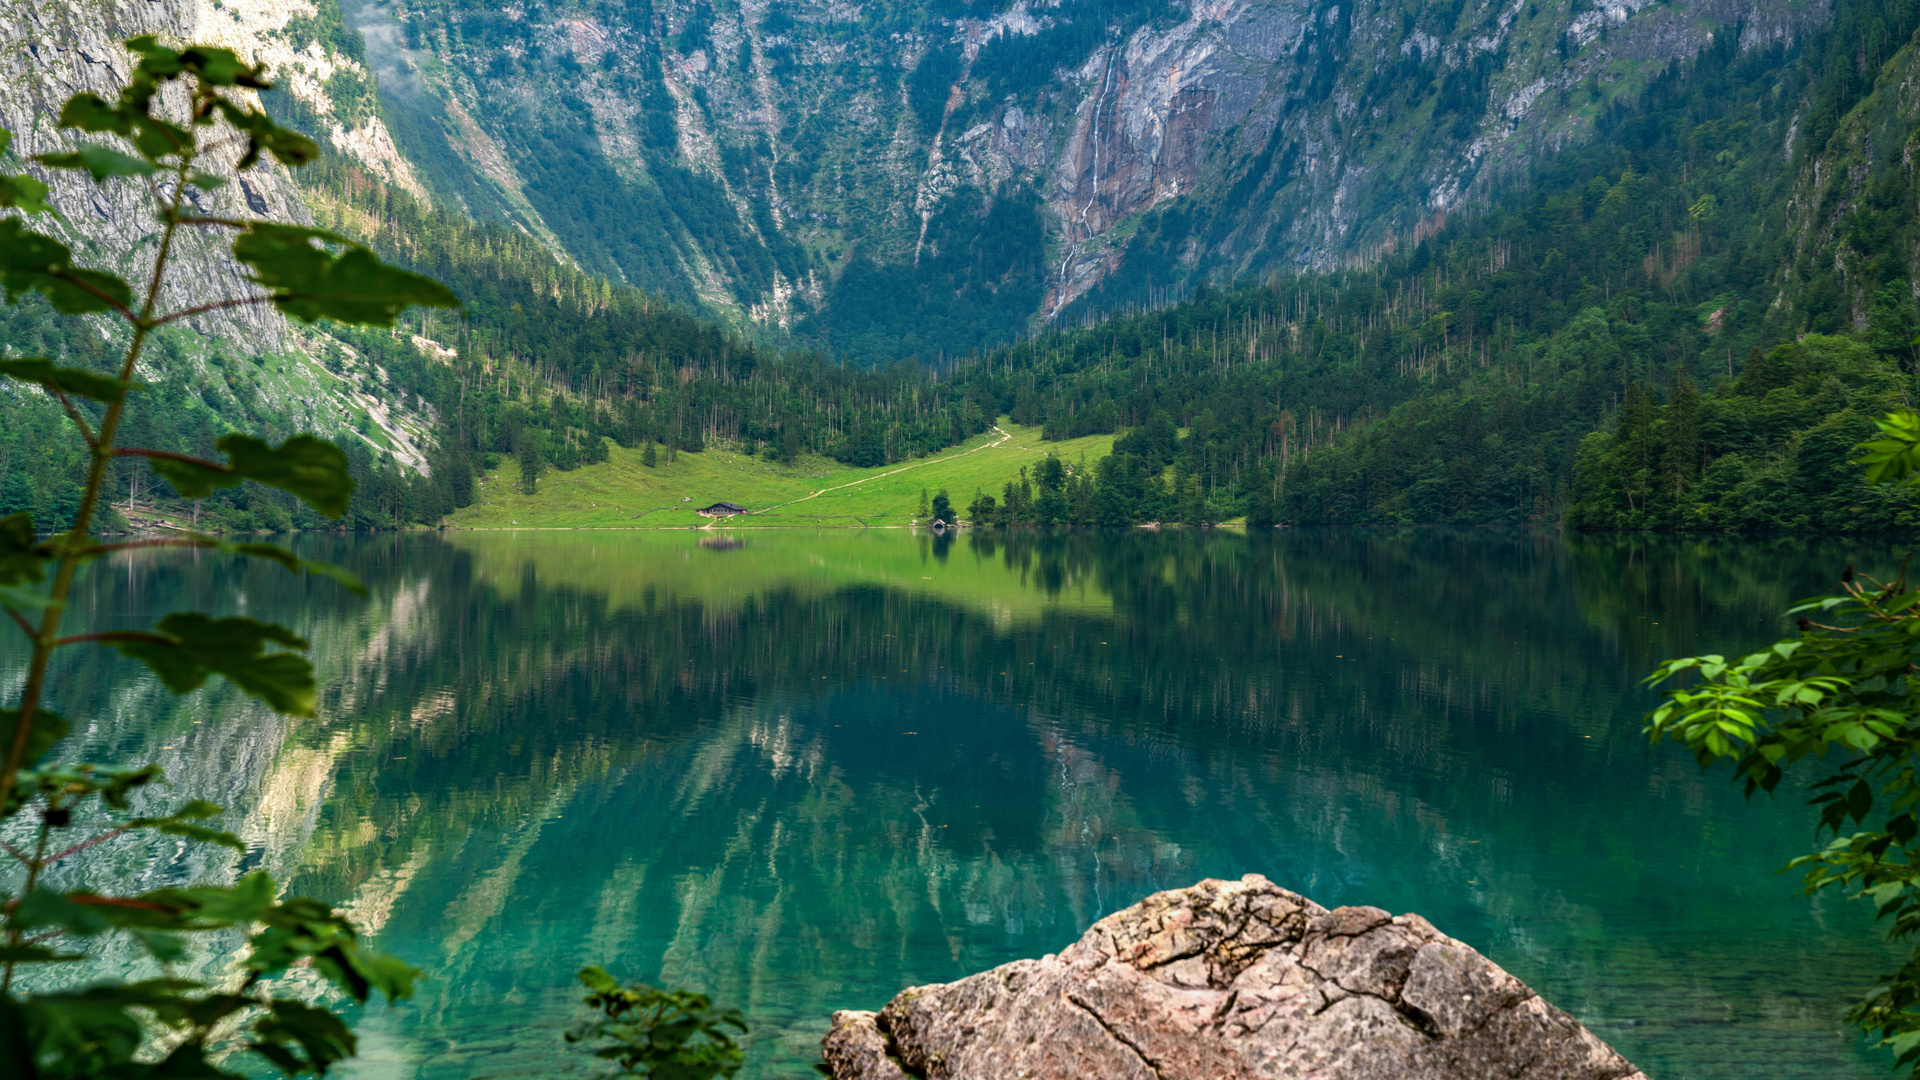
941, 509
31, 261
1770, 450
1018, 64
190, 646
978, 279
312, 469
1842, 689
662, 1034
328, 27
532, 454
309, 282
66, 380
1455, 381
930, 84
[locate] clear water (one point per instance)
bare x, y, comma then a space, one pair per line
801, 771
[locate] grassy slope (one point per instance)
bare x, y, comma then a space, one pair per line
622, 493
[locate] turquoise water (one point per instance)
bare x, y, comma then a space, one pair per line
803, 770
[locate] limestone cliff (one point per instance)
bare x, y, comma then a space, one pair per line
52, 49
768, 147
892, 176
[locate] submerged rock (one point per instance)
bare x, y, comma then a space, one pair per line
1229, 980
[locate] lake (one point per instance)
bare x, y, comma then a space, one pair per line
803, 770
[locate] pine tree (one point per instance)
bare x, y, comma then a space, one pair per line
533, 458
1680, 460
1633, 446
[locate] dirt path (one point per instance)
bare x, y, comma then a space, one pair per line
1001, 441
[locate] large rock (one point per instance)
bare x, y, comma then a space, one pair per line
1230, 979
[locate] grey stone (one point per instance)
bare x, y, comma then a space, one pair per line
1230, 980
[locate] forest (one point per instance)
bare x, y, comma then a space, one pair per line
1621, 344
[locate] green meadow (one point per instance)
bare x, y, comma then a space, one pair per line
813, 492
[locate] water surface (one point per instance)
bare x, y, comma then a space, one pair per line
803, 770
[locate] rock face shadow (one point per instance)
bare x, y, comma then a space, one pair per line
1229, 980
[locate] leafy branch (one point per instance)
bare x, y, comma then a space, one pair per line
307, 274
1846, 684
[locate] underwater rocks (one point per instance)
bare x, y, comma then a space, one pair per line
1228, 980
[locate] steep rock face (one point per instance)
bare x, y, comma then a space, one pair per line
1305, 135
50, 51
769, 148
1854, 209
53, 49
1230, 980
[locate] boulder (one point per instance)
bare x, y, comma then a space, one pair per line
1229, 980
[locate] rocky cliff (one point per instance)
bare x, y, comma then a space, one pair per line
885, 178
754, 153
53, 49
1229, 980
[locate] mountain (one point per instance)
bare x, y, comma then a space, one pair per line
1372, 264
891, 178
1686, 322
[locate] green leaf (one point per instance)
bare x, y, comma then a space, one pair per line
19, 190
323, 1037
1896, 457
190, 647
245, 901
24, 193
90, 112
31, 261
164, 947
34, 954
295, 563
71, 380
44, 909
181, 823
131, 117
222, 67
15, 598
288, 147
596, 978
100, 162
21, 556
48, 728
156, 60
306, 465
310, 282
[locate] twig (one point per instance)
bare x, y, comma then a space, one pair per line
195, 540
85, 844
73, 413
217, 305
116, 305
110, 636
136, 451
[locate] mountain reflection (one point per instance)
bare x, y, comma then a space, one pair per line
801, 771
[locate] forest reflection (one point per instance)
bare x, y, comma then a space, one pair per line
800, 771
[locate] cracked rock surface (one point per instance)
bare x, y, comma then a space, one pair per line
1228, 980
